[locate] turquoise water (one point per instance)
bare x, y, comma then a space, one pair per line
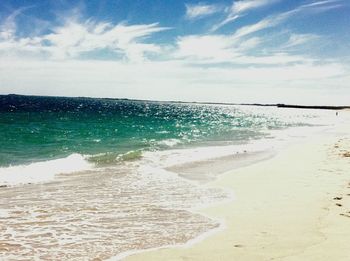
109, 130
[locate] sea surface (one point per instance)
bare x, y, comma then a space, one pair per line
85, 178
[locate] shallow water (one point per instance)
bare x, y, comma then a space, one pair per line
45, 128
93, 214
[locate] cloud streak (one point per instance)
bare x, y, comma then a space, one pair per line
239, 8
74, 38
300, 39
235, 49
197, 11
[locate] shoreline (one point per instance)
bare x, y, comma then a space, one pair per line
283, 210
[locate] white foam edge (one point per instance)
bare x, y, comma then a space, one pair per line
43, 171
222, 226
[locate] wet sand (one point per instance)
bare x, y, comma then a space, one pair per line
208, 170
95, 215
295, 206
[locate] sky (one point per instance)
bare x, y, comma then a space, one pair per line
247, 51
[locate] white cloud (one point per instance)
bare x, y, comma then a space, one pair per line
197, 11
261, 25
205, 47
172, 81
74, 38
316, 6
277, 19
277, 59
212, 50
8, 27
300, 39
245, 5
215, 48
320, 3
238, 8
236, 49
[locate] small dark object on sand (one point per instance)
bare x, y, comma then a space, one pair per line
339, 205
346, 154
337, 198
3, 186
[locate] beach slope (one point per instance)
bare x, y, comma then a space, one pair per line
295, 206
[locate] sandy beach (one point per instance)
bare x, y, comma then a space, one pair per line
294, 206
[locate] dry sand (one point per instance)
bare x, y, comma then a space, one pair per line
295, 206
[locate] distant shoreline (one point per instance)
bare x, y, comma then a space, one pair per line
278, 105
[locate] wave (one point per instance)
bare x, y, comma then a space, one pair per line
169, 156
169, 142
112, 158
43, 171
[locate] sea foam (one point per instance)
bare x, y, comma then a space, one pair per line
42, 171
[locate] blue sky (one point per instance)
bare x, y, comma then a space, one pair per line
292, 51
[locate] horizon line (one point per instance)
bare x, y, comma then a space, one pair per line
278, 105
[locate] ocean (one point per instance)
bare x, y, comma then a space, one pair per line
107, 131
85, 178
